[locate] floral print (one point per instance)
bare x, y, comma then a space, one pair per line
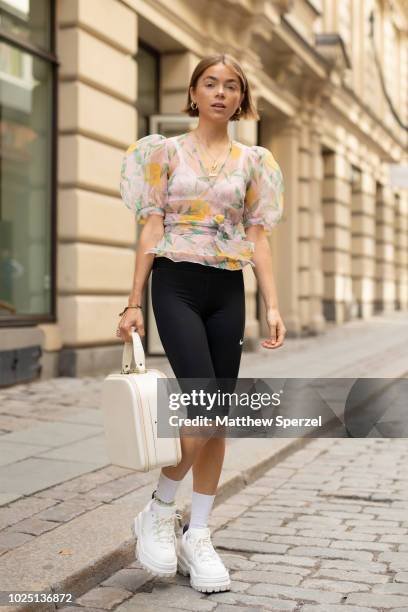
204, 218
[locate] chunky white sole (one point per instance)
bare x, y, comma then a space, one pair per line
204, 585
162, 570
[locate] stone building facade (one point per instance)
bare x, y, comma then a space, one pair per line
330, 79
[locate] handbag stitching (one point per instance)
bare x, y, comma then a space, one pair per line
144, 431
176, 439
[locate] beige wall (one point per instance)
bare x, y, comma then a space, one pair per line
97, 120
341, 250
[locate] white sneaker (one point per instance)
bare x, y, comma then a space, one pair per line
156, 539
197, 558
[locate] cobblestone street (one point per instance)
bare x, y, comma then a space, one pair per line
325, 530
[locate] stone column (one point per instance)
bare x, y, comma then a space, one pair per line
310, 222
363, 244
336, 238
97, 41
284, 142
384, 232
401, 255
305, 259
316, 323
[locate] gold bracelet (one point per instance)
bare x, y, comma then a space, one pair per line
125, 309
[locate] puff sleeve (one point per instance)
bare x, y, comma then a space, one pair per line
144, 176
264, 195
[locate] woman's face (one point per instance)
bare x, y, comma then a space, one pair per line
218, 93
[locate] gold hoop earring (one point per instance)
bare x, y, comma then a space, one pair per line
193, 105
239, 111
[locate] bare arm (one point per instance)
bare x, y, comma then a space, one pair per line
152, 232
262, 259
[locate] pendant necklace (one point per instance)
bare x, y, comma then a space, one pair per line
212, 171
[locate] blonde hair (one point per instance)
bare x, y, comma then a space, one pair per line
248, 109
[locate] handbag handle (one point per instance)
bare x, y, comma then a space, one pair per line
133, 349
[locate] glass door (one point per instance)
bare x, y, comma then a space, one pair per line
167, 125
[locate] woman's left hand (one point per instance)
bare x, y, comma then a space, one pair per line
276, 328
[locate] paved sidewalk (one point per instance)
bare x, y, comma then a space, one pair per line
51, 431
326, 530
56, 482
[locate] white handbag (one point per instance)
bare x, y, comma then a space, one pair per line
129, 406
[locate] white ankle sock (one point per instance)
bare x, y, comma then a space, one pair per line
201, 506
166, 489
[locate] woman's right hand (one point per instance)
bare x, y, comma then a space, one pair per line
132, 318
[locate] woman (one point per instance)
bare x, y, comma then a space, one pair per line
206, 204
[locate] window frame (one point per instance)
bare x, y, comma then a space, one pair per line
157, 56
50, 57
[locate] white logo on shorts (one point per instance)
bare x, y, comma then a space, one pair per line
241, 342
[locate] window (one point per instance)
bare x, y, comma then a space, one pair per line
27, 161
148, 87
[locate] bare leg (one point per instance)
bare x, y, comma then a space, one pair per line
190, 447
207, 466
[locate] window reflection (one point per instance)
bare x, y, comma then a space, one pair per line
25, 194
28, 20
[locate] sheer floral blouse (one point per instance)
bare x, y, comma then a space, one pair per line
204, 218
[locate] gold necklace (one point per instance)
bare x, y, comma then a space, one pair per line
212, 171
